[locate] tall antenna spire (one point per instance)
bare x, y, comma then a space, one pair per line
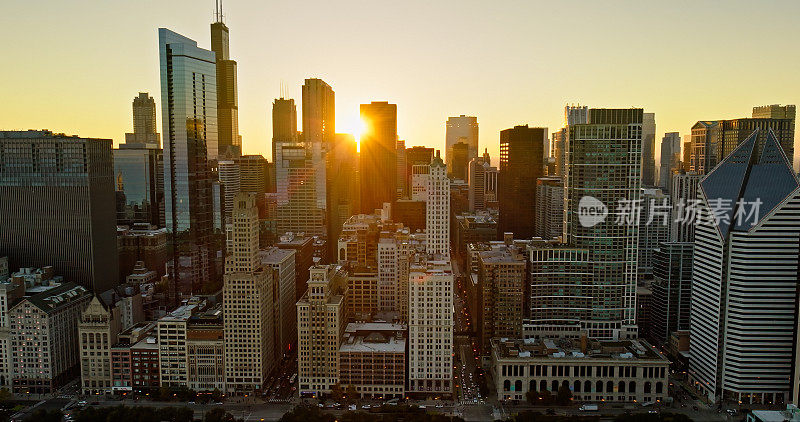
218, 16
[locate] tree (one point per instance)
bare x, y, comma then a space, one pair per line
41, 415
564, 395
305, 413
5, 395
337, 392
218, 414
543, 398
351, 393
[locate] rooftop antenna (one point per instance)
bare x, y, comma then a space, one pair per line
218, 11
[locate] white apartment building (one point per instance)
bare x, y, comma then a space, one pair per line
320, 326
388, 255
430, 327
437, 210
248, 303
420, 173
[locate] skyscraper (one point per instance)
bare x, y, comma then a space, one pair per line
319, 112
229, 141
652, 233
284, 122
144, 122
230, 178
460, 160
482, 180
521, 152
321, 318
649, 150
342, 185
247, 303
299, 207
549, 207
714, 140
57, 206
670, 159
430, 328
672, 290
189, 111
378, 157
590, 282
301, 165
139, 169
437, 210
139, 183
604, 163
744, 278
683, 198
416, 155
461, 127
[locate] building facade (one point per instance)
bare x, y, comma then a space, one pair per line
189, 112
57, 208
521, 163
461, 129
744, 277
248, 304
625, 371
378, 155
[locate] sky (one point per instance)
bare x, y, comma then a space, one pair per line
75, 66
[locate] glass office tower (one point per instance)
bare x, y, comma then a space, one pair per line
189, 112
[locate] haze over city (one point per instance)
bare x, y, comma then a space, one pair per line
508, 62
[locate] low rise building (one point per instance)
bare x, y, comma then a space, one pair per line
44, 344
593, 371
372, 359
205, 346
97, 330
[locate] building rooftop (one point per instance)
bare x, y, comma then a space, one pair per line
574, 349
58, 297
373, 342
274, 255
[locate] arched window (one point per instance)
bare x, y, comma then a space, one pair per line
659, 387
506, 385
543, 385
532, 386
518, 386
587, 387
621, 387
599, 386
577, 387
565, 384
647, 387
610, 387
632, 387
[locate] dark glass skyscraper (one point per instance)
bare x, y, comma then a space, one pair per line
57, 206
230, 143
378, 159
189, 111
139, 169
521, 163
139, 182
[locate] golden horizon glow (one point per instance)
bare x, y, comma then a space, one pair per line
494, 64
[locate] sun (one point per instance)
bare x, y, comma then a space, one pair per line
357, 128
